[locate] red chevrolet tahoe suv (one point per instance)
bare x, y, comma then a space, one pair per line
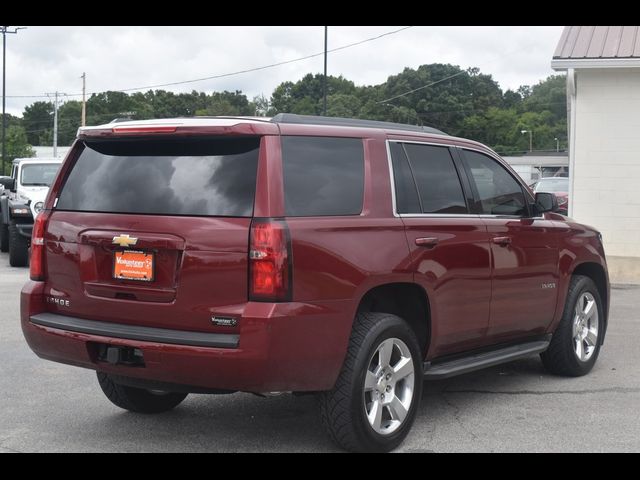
347, 258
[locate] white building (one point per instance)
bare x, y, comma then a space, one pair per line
603, 88
47, 151
533, 166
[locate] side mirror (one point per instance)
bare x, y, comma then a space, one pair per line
8, 183
546, 202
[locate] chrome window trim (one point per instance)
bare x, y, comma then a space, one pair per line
438, 215
422, 143
506, 217
460, 215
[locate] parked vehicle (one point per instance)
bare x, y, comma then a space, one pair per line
559, 186
25, 192
4, 231
346, 258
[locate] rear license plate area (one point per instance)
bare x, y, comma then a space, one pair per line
134, 265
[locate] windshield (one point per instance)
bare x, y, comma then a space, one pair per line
39, 174
552, 185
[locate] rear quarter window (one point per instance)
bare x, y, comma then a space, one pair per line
323, 176
194, 177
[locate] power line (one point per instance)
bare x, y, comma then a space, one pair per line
238, 72
424, 86
441, 80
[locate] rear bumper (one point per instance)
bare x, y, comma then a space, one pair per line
280, 347
131, 332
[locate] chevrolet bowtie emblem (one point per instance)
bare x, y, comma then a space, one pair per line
124, 240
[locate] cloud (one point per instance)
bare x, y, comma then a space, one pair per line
45, 59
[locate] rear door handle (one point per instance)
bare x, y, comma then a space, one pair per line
427, 242
502, 241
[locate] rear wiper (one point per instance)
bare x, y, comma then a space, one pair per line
36, 184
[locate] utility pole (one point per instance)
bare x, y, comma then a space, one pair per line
530, 132
324, 83
84, 99
5, 29
4, 94
55, 121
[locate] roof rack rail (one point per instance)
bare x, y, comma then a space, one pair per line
349, 122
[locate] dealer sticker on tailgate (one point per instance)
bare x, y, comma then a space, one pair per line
133, 265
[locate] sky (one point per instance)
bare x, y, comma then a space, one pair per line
45, 59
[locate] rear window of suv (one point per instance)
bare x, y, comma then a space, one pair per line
322, 176
198, 177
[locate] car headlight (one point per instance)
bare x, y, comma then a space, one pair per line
38, 207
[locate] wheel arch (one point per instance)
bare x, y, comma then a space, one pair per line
408, 301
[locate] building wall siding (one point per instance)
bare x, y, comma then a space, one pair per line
606, 189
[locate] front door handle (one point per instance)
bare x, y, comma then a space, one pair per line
427, 242
502, 241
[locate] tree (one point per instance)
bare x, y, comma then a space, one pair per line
343, 105
305, 96
262, 106
107, 106
441, 95
550, 95
494, 127
37, 119
282, 98
17, 146
460, 102
511, 99
69, 118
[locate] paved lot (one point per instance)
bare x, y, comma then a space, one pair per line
49, 407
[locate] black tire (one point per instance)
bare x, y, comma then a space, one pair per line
4, 238
342, 409
138, 400
18, 248
561, 357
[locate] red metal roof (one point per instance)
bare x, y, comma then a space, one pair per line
599, 42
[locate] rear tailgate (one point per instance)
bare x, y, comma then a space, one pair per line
154, 231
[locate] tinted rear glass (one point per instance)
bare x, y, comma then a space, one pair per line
322, 176
171, 177
437, 179
407, 200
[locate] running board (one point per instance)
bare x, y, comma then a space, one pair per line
482, 360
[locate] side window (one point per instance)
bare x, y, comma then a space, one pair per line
436, 178
497, 191
407, 200
322, 176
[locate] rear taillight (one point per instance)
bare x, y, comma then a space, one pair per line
36, 267
270, 261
